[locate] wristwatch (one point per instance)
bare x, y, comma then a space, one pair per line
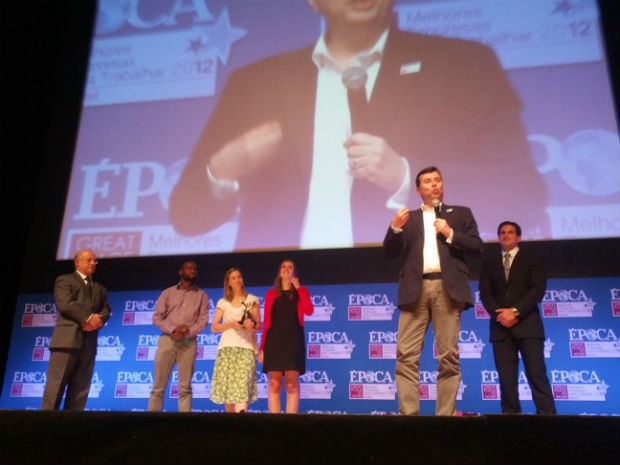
515, 312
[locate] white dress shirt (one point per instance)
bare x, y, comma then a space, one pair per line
328, 213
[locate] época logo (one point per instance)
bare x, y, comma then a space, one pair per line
147, 347
201, 385
196, 41
593, 343
567, 303
371, 385
138, 312
370, 307
32, 384
382, 345
109, 348
133, 384
578, 385
329, 345
207, 345
39, 315
490, 385
323, 309
470, 345
41, 349
316, 384
28, 383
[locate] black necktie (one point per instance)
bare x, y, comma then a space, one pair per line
89, 289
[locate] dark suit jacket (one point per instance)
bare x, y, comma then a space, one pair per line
74, 309
524, 290
409, 244
458, 112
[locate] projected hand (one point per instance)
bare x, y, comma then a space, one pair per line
372, 158
245, 154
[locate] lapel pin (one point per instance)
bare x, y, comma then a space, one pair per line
410, 68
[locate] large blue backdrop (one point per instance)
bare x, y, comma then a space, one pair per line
351, 349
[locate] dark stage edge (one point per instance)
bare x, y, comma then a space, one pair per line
45, 437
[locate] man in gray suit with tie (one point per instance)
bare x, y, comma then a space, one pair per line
433, 287
83, 308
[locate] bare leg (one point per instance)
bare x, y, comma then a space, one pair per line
292, 391
241, 407
275, 386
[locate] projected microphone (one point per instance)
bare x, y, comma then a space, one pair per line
437, 207
354, 79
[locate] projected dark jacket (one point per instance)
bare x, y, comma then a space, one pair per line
458, 112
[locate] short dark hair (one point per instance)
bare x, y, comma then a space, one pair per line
511, 223
428, 169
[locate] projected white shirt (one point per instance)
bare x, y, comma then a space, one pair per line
328, 215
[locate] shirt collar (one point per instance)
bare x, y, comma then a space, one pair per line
193, 286
512, 252
323, 59
426, 208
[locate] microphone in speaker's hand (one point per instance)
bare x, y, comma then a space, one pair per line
437, 207
354, 79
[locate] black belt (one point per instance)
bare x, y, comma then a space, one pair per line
436, 275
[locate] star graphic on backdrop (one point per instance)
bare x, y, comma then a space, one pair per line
602, 387
221, 35
330, 309
329, 386
391, 308
478, 346
195, 45
548, 344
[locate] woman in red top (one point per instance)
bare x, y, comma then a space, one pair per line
283, 346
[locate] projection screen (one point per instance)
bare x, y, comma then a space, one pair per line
510, 99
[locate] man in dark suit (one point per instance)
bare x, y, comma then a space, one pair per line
83, 308
278, 155
511, 286
433, 287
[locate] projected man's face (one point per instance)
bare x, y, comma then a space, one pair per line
347, 13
